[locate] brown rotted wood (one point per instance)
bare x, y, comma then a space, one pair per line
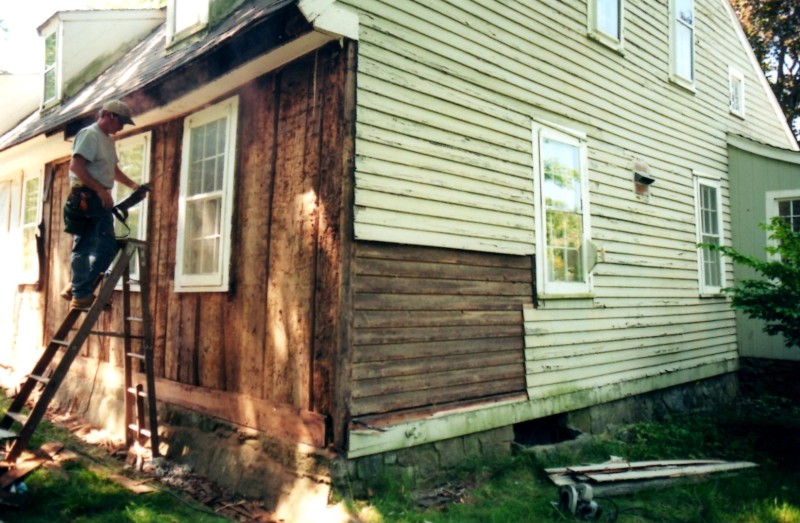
327, 309
290, 295
246, 312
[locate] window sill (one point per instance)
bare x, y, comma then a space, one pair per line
618, 46
683, 83
575, 296
712, 295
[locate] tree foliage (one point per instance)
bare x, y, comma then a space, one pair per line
775, 296
771, 27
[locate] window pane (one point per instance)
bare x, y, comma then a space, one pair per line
31, 201
203, 236
187, 13
50, 50
683, 51
608, 17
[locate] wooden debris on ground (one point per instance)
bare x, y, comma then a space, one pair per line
618, 476
26, 463
440, 495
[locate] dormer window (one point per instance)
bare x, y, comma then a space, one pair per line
186, 17
50, 92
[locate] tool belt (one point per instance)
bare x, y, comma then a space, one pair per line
82, 208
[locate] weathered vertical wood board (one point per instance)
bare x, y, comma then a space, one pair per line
293, 235
244, 343
330, 230
433, 326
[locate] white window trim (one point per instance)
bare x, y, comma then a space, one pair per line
601, 36
559, 289
143, 140
32, 276
736, 75
688, 83
59, 33
217, 282
709, 181
175, 36
772, 198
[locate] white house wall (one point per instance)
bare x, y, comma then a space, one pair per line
447, 91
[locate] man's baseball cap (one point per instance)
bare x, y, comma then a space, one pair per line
119, 108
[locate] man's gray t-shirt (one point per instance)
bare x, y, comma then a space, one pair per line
99, 151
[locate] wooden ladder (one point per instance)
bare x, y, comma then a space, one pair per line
48, 374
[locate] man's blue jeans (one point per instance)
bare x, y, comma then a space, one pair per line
92, 253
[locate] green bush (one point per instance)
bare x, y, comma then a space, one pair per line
775, 296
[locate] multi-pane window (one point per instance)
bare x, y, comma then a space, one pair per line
50, 70
789, 210
29, 224
134, 160
736, 92
709, 232
563, 212
682, 25
605, 19
205, 205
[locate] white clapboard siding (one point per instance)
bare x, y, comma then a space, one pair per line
447, 93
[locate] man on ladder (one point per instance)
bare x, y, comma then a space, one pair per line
88, 211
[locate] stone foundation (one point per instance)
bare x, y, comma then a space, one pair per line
424, 465
257, 466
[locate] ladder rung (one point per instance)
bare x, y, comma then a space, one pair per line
63, 343
134, 355
7, 434
18, 417
135, 428
40, 379
134, 318
135, 392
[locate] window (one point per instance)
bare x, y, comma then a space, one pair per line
709, 231
50, 92
205, 206
562, 219
134, 160
785, 204
185, 17
29, 225
682, 26
736, 84
605, 21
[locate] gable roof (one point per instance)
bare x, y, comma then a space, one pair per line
150, 62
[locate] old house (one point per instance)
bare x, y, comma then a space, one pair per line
381, 225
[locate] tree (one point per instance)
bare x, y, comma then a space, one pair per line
775, 297
771, 27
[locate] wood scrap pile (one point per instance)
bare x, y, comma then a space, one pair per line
618, 476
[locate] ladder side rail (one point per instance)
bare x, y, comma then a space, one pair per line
147, 347
40, 408
127, 364
39, 369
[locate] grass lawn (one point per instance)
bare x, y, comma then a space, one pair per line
762, 426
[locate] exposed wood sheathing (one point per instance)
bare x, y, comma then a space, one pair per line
259, 339
433, 326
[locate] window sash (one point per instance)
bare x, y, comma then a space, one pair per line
134, 161
29, 222
50, 60
562, 216
709, 225
736, 92
683, 25
205, 206
789, 210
